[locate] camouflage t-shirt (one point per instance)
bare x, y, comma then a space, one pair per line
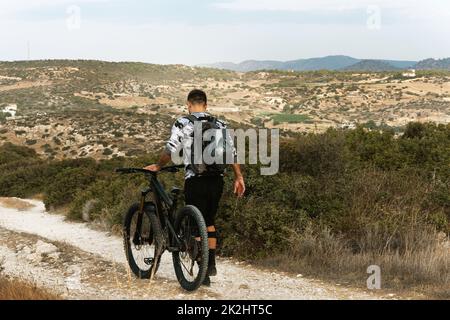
182, 134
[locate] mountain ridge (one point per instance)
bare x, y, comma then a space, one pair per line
427, 64
331, 62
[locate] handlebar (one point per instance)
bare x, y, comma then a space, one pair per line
173, 169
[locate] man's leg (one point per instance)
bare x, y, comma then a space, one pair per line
212, 237
215, 195
212, 242
205, 194
196, 194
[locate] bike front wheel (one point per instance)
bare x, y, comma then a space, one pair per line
191, 261
143, 246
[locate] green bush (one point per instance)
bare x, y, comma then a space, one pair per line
353, 183
63, 187
340, 198
10, 153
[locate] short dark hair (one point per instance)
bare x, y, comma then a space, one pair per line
197, 97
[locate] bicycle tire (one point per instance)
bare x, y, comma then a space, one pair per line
195, 214
155, 231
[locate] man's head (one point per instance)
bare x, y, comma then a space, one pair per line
197, 101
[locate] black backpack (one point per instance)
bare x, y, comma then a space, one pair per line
204, 169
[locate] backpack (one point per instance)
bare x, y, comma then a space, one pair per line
205, 169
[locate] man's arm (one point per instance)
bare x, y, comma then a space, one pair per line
239, 184
171, 146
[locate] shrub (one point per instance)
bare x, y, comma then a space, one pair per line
62, 189
10, 153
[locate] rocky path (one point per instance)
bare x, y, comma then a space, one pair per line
82, 263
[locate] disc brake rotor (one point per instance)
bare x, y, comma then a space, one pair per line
193, 249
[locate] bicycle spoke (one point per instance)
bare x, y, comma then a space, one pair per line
191, 272
188, 258
143, 252
192, 267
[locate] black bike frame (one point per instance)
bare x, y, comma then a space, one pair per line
165, 215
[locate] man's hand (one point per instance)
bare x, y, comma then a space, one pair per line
163, 160
153, 167
239, 186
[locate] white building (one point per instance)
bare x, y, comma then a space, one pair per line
11, 109
347, 125
411, 73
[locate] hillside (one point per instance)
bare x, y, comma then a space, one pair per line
249, 65
371, 65
433, 64
325, 63
337, 62
65, 109
328, 63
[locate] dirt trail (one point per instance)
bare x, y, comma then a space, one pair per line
26, 84
81, 263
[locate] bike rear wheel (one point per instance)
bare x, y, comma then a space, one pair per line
191, 261
142, 247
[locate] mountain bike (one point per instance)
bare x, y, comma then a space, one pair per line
153, 226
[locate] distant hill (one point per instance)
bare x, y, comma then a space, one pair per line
371, 65
329, 62
249, 65
401, 64
324, 63
426, 64
337, 62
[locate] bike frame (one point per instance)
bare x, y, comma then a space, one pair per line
165, 207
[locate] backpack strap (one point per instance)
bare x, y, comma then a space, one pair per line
191, 118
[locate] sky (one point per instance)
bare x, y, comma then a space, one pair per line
205, 31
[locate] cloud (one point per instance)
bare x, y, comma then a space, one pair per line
8, 8
169, 41
301, 5
411, 8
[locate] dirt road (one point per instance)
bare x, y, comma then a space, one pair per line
79, 262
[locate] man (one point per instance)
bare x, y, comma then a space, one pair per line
202, 191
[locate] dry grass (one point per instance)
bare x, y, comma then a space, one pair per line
11, 289
15, 203
425, 270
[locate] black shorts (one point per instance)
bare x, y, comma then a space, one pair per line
205, 194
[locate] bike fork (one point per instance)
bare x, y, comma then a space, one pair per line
140, 214
155, 264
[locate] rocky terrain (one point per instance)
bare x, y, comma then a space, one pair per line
66, 108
